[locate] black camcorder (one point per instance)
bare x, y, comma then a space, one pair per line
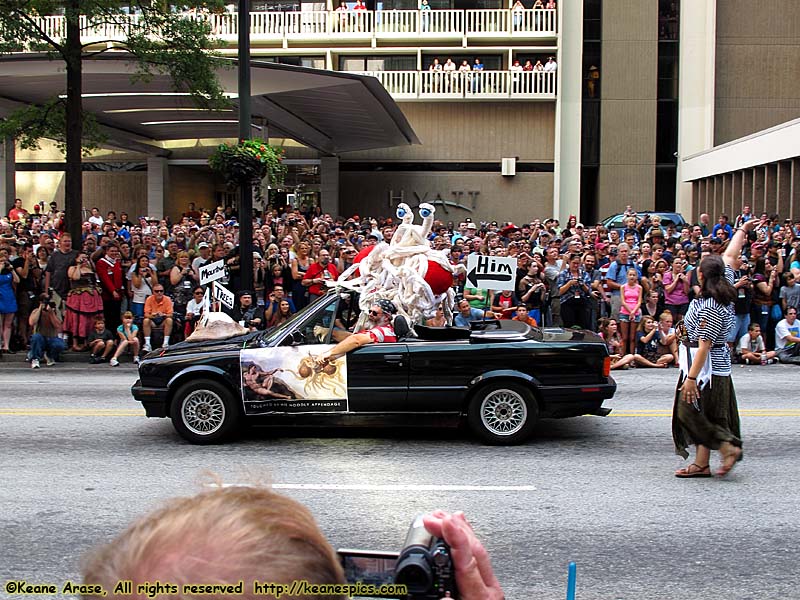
424, 566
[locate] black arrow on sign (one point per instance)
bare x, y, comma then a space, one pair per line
473, 277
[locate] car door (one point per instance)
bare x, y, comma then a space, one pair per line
377, 377
440, 373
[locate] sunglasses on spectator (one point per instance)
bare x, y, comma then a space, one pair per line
374, 313
158, 291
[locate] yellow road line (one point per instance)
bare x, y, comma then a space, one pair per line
67, 412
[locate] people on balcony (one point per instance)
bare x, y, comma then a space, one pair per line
518, 9
477, 80
551, 66
515, 68
425, 15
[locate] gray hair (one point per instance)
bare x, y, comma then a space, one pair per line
623, 246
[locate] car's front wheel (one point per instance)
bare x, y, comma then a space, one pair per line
203, 412
503, 413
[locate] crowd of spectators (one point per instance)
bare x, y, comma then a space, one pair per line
126, 282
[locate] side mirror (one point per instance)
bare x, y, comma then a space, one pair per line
298, 338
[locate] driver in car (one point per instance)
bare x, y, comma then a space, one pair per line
380, 330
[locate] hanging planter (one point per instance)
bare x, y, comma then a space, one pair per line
248, 162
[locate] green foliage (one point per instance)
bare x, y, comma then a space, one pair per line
32, 123
160, 42
249, 161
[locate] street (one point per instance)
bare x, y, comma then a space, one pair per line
80, 461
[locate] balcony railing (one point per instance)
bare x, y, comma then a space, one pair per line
333, 25
477, 85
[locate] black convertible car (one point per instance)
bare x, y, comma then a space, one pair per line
500, 377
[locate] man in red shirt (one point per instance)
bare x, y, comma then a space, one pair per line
319, 272
17, 213
380, 330
109, 272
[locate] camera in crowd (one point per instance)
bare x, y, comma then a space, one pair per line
46, 302
424, 566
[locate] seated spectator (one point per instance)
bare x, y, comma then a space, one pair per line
101, 342
246, 534
248, 313
281, 314
608, 331
504, 304
787, 338
522, 315
128, 334
752, 348
46, 325
667, 340
438, 320
158, 310
466, 314
647, 345
194, 309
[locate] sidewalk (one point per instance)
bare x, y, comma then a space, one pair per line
73, 358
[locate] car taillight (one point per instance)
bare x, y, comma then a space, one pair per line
606, 366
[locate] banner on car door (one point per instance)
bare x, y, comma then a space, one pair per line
288, 380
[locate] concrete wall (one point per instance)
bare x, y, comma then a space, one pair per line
518, 199
471, 131
115, 191
628, 128
189, 185
757, 66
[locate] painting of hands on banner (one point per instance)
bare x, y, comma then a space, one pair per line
288, 380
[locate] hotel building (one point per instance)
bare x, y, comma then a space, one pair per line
642, 94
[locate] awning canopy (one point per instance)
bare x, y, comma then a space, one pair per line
330, 111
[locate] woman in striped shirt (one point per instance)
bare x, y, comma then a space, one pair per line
705, 412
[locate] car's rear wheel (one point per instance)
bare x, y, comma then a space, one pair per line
203, 412
503, 413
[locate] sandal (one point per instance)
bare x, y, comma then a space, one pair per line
693, 470
729, 459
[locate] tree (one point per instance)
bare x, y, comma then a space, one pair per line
159, 40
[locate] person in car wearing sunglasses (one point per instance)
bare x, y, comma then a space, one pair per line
379, 330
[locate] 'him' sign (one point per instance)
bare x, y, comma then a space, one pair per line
491, 272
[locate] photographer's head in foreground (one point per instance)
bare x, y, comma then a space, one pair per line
250, 534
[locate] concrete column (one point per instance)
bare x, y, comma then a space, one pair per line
747, 187
567, 175
771, 189
759, 177
794, 194
784, 190
329, 184
157, 186
8, 174
696, 87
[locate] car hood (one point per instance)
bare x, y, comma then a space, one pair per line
183, 348
556, 334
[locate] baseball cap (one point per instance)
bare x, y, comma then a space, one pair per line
471, 226
716, 240
202, 245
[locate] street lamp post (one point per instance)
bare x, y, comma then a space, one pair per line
245, 189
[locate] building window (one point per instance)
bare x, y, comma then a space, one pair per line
314, 62
377, 63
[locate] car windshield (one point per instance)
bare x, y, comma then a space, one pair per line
268, 338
